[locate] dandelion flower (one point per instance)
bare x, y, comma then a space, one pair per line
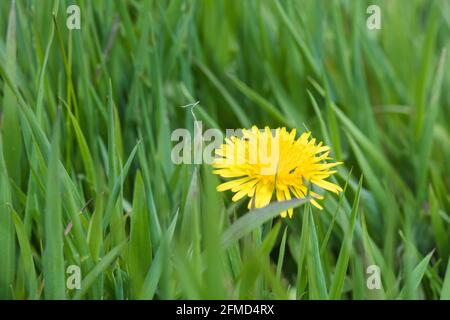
263, 164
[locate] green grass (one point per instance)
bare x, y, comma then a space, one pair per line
86, 177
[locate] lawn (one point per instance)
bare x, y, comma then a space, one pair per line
93, 205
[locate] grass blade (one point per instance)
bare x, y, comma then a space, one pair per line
346, 249
54, 275
256, 218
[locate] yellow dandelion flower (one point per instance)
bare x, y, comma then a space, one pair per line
262, 163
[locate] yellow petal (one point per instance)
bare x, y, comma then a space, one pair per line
316, 204
233, 183
280, 197
263, 195
327, 185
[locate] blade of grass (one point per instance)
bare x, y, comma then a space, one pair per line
256, 217
281, 254
99, 268
7, 238
346, 250
53, 260
140, 246
418, 273
317, 285
10, 123
26, 255
240, 114
445, 293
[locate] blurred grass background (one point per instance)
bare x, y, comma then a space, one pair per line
86, 177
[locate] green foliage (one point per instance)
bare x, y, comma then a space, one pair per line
86, 176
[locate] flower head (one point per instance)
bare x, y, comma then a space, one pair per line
264, 163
